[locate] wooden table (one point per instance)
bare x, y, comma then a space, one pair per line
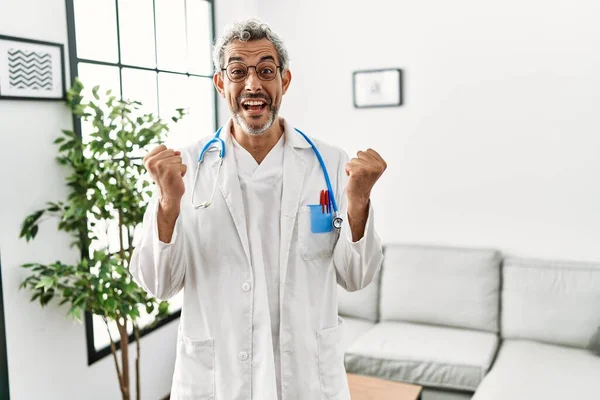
370, 388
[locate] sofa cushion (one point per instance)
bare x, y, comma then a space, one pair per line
362, 303
445, 394
457, 287
353, 329
550, 301
526, 370
432, 356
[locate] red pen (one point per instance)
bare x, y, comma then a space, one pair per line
327, 200
322, 201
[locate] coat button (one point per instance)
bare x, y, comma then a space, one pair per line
243, 356
246, 287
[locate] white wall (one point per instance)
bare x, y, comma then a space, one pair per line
498, 143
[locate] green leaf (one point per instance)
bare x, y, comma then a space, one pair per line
111, 304
46, 282
63, 301
163, 307
29, 223
66, 146
80, 299
46, 297
76, 313
135, 313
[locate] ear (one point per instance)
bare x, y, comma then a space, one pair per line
219, 84
286, 79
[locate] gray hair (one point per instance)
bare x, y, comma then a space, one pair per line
248, 30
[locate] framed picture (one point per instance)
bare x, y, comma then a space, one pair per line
31, 69
377, 88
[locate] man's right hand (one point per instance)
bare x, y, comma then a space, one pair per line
167, 170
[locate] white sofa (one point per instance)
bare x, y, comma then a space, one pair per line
469, 324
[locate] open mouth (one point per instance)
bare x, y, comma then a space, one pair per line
254, 105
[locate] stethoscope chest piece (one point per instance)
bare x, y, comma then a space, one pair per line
337, 223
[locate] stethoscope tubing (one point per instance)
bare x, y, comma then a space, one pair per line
324, 168
216, 140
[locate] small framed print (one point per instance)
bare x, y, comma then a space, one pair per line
31, 69
377, 88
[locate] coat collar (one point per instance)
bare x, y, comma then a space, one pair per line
292, 137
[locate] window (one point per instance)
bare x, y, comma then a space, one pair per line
157, 52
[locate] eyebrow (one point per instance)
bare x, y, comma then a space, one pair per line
238, 58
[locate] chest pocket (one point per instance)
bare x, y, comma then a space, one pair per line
314, 246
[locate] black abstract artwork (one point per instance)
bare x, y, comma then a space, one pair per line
31, 69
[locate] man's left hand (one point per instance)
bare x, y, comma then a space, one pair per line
363, 171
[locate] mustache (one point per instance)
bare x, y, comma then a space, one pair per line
261, 96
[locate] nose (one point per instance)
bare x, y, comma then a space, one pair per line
253, 83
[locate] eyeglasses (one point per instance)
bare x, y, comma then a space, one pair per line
238, 71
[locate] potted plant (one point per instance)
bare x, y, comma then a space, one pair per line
107, 186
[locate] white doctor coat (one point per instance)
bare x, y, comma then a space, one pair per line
224, 344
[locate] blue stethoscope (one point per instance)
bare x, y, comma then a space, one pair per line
216, 141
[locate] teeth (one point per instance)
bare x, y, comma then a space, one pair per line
253, 103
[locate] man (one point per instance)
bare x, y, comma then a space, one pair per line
259, 319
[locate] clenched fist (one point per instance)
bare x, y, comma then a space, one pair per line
167, 170
363, 171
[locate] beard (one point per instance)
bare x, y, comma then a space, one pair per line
254, 129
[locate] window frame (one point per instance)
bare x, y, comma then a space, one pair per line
4, 389
94, 355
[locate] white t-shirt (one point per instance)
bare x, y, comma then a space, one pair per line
262, 187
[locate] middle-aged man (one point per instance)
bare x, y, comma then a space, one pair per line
258, 266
